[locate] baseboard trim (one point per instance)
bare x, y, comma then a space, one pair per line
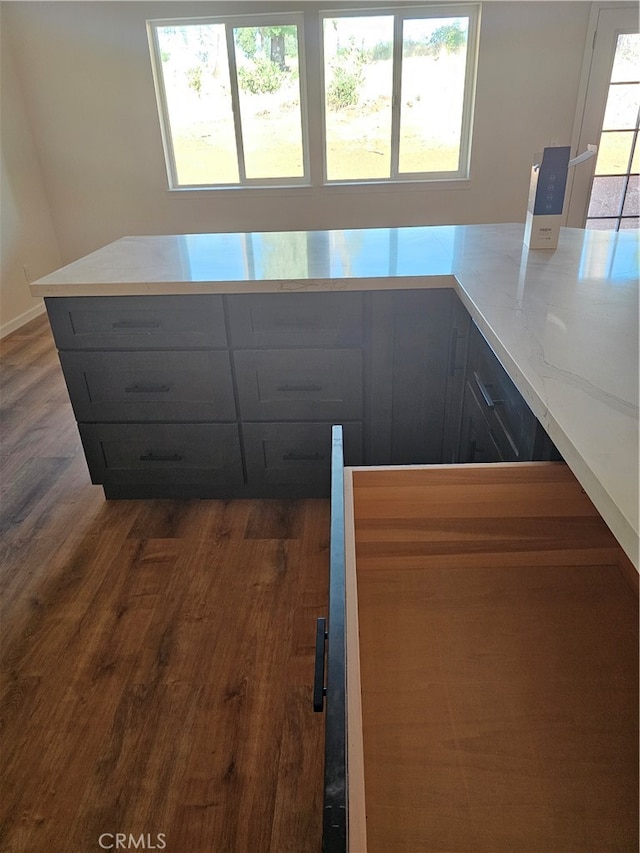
21, 320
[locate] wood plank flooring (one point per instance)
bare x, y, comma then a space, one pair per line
157, 655
499, 665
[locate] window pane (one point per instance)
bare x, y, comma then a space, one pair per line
622, 107
635, 160
627, 59
434, 53
195, 73
631, 206
601, 224
358, 78
615, 190
606, 196
269, 94
614, 152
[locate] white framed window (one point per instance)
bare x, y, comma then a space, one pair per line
230, 97
395, 96
398, 93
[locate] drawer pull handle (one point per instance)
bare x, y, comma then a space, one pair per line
309, 387
154, 457
514, 447
489, 402
303, 457
319, 690
147, 389
136, 324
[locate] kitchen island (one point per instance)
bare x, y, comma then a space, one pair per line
563, 323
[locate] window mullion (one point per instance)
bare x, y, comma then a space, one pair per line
235, 101
396, 90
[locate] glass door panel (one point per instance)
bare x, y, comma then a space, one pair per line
604, 197
614, 193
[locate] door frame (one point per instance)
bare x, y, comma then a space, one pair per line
606, 21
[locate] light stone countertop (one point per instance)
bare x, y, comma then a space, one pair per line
563, 322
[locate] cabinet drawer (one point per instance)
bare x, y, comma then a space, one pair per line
298, 319
148, 385
296, 454
137, 322
476, 614
512, 422
310, 384
477, 442
174, 454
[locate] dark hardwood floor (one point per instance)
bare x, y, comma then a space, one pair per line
157, 655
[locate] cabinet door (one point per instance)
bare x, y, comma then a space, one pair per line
410, 351
456, 369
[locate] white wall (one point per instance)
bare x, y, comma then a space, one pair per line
86, 77
27, 234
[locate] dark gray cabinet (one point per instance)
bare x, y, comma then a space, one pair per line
235, 395
413, 355
215, 396
497, 424
457, 367
298, 362
151, 384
